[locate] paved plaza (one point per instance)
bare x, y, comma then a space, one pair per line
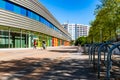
54, 63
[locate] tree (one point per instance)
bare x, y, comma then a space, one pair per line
72, 42
107, 21
81, 40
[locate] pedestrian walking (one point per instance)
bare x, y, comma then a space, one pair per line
80, 49
43, 44
34, 44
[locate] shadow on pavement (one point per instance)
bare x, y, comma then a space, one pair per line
72, 69
64, 51
44, 69
71, 47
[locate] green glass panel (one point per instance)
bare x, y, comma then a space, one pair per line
50, 41
23, 42
58, 42
17, 42
3, 39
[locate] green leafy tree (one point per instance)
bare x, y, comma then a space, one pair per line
72, 42
107, 21
81, 40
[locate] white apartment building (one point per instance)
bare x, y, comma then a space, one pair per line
77, 30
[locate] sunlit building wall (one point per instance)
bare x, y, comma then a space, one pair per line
76, 30
81, 30
22, 21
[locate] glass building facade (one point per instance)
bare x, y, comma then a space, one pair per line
16, 37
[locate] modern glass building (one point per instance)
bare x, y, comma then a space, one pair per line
22, 21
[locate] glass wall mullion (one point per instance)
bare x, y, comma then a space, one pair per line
21, 38
26, 40
29, 40
8, 37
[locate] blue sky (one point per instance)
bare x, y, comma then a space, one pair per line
72, 11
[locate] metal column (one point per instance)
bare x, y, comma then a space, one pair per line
8, 37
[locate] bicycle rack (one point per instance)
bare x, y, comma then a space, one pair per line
95, 49
105, 47
91, 49
109, 59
